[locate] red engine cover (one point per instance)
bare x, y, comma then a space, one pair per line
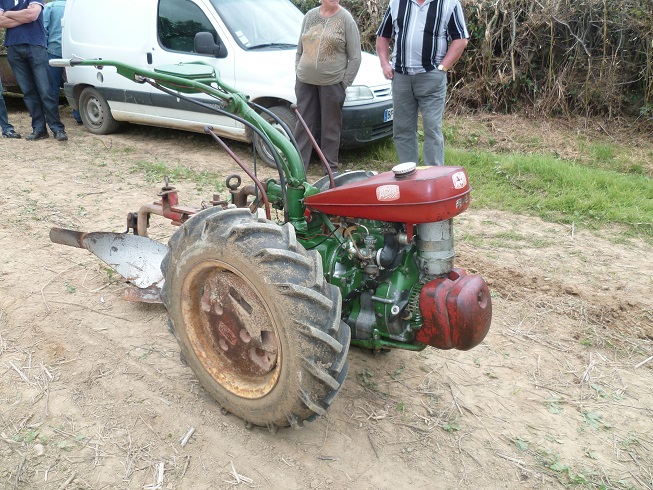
457, 311
427, 195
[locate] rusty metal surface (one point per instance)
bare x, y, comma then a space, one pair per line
144, 295
232, 332
136, 258
227, 307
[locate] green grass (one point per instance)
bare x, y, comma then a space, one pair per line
157, 172
559, 190
599, 190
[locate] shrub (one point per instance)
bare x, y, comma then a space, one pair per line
551, 57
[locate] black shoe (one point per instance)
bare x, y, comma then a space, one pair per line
37, 136
11, 134
60, 135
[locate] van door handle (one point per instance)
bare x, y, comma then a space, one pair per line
149, 58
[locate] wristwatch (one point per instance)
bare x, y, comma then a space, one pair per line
442, 68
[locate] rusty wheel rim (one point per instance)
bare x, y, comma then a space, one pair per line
231, 329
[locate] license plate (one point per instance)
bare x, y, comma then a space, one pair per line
389, 114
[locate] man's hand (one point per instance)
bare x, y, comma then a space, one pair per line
388, 72
382, 51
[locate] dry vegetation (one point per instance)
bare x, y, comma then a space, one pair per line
549, 57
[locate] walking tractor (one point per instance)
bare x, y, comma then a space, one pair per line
265, 310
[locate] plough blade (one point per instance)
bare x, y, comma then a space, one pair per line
136, 258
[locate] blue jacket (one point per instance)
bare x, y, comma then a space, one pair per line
52, 15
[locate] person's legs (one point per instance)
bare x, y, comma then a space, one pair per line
4, 117
19, 59
431, 93
308, 105
56, 77
404, 124
332, 98
43, 82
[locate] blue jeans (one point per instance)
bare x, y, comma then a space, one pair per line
32, 71
56, 78
427, 93
4, 118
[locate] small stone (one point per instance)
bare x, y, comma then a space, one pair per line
39, 450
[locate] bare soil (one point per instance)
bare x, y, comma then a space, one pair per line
93, 393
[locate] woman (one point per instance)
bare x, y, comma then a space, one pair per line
328, 58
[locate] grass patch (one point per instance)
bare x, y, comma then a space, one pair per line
559, 190
157, 172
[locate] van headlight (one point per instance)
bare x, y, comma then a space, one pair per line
358, 92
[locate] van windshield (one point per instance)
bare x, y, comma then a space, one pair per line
258, 24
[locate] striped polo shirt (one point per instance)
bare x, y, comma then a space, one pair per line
421, 34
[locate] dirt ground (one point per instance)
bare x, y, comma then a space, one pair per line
93, 393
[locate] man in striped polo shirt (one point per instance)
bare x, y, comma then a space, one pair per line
429, 37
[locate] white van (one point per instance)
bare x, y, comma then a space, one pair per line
257, 40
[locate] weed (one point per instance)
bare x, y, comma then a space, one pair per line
602, 152
397, 372
595, 420
110, 273
27, 436
554, 406
451, 425
365, 377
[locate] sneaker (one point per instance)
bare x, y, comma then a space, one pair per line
11, 134
60, 135
37, 136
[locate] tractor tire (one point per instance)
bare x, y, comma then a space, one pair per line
254, 317
95, 112
289, 118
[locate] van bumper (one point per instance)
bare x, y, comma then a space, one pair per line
363, 124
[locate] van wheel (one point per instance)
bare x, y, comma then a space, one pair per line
289, 118
95, 112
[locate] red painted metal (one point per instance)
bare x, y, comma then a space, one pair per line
427, 195
457, 311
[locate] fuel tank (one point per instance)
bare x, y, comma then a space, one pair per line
406, 194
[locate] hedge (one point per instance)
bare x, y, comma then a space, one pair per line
548, 57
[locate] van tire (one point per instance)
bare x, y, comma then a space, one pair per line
288, 117
95, 112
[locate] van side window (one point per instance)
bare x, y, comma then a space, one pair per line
178, 22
